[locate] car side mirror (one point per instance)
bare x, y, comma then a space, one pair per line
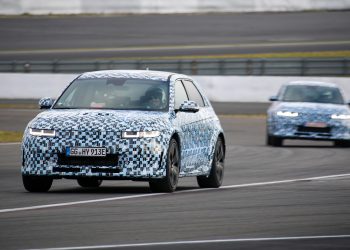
273, 98
189, 106
46, 103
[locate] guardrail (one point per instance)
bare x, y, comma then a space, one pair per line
268, 67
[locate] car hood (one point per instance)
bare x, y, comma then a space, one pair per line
100, 120
315, 108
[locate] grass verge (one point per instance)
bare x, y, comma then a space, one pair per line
10, 136
309, 54
18, 106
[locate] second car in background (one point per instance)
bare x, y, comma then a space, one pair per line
308, 110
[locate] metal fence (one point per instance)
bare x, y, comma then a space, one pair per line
270, 67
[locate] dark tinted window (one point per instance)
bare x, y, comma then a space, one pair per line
180, 94
312, 93
193, 93
115, 93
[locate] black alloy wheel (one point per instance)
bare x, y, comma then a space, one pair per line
216, 176
342, 144
37, 183
169, 183
274, 141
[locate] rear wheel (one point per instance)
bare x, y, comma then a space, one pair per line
37, 183
343, 144
274, 141
169, 183
214, 180
89, 182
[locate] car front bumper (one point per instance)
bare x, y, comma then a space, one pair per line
139, 158
305, 129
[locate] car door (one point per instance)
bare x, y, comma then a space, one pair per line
203, 132
192, 128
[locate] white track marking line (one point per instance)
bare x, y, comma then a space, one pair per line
288, 181
198, 242
9, 143
78, 202
178, 192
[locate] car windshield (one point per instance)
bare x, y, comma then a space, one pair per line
308, 93
115, 93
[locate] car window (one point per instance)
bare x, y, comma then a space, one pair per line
312, 93
180, 94
193, 93
115, 93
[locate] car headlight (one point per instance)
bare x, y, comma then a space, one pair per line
287, 113
140, 134
340, 116
42, 132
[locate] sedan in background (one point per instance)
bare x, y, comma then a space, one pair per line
311, 111
125, 125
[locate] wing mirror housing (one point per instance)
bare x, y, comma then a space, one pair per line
189, 106
273, 98
46, 103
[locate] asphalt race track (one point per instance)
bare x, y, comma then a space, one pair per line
294, 197
130, 36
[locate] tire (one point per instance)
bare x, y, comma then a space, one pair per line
89, 182
274, 141
215, 178
37, 183
169, 183
342, 144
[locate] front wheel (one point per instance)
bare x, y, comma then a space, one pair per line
37, 183
215, 178
342, 144
274, 141
169, 183
89, 182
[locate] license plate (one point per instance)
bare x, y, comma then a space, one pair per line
316, 124
99, 152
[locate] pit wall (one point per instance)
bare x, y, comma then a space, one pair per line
217, 88
44, 7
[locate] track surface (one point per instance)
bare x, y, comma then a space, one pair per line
268, 200
88, 37
295, 207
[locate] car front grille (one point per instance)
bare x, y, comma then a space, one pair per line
325, 130
75, 169
108, 160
